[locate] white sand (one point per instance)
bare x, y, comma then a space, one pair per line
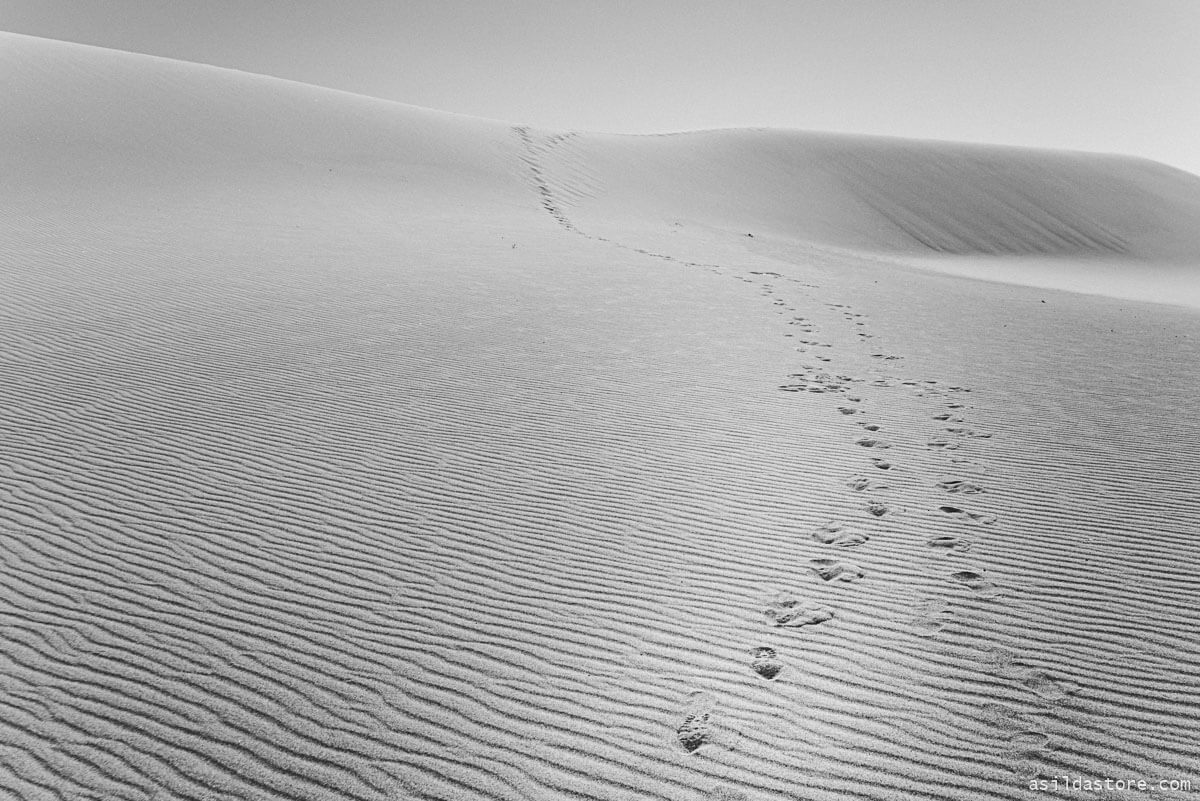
335, 466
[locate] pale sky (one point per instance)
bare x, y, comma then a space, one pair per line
1103, 75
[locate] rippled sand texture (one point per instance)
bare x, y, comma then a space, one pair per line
357, 451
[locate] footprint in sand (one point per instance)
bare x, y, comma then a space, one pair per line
959, 485
1048, 687
765, 662
882, 464
791, 612
877, 509
847, 410
970, 578
968, 432
835, 570
837, 534
871, 426
974, 517
949, 544
870, 442
696, 727
947, 417
977, 582
861, 483
930, 619
944, 444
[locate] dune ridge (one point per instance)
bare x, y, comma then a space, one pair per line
359, 451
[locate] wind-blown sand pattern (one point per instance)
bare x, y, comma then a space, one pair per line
358, 451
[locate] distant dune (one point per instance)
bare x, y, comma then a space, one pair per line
892, 195
354, 450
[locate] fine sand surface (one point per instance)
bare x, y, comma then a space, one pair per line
352, 450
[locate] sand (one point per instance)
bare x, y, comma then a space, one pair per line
354, 450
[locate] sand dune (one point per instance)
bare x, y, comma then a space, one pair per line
889, 195
355, 450
1113, 225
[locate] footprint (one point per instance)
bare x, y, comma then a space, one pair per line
860, 483
834, 570
765, 662
931, 620
967, 432
942, 443
877, 509
975, 517
847, 410
960, 486
949, 543
1044, 685
882, 464
791, 612
837, 534
975, 581
696, 728
871, 426
694, 731
868, 442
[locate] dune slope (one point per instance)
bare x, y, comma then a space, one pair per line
885, 195
359, 451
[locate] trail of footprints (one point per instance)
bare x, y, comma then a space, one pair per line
1020, 742
1020, 736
